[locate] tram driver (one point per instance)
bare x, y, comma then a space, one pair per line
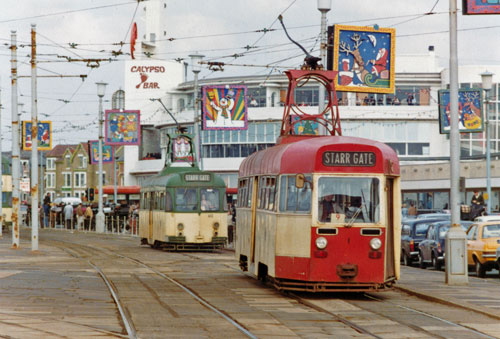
328, 206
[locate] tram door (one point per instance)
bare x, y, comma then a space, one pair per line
389, 263
151, 204
254, 182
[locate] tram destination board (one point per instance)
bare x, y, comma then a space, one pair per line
197, 177
360, 159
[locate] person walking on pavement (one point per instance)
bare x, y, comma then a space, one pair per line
80, 216
46, 212
89, 215
68, 215
412, 211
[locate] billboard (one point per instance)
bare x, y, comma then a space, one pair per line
224, 107
304, 126
44, 135
470, 112
107, 152
122, 127
364, 58
470, 7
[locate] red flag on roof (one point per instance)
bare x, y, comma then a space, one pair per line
133, 37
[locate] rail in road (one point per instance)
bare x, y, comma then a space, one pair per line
165, 294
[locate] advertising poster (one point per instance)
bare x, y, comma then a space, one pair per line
44, 135
474, 7
122, 128
224, 107
304, 126
107, 152
364, 58
181, 149
470, 112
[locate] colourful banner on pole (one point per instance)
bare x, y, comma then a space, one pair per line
364, 58
122, 127
44, 135
224, 107
474, 7
107, 152
304, 126
470, 112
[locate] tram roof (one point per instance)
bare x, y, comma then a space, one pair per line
175, 177
306, 156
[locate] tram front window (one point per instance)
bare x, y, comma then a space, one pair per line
348, 200
185, 199
209, 199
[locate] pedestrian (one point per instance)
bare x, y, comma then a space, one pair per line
412, 210
68, 215
404, 211
80, 216
88, 216
46, 212
46, 200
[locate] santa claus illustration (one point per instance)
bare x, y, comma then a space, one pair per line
380, 64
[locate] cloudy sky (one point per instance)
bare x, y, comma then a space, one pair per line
219, 29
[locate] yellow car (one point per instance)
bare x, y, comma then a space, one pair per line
483, 239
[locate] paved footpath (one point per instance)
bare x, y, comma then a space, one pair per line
480, 295
49, 294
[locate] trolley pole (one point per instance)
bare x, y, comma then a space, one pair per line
100, 218
15, 144
195, 64
34, 145
456, 243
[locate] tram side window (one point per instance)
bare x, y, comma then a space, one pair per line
271, 191
242, 192
261, 203
293, 199
185, 199
168, 202
209, 199
250, 192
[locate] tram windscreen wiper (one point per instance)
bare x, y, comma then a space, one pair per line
358, 210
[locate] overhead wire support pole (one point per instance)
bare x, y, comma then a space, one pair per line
34, 145
15, 144
1, 167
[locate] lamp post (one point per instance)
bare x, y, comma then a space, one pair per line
323, 6
195, 64
487, 80
115, 188
101, 89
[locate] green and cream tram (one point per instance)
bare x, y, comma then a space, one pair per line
183, 208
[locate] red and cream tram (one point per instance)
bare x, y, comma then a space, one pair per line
320, 214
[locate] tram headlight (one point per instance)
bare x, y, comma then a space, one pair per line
375, 244
180, 227
321, 243
216, 225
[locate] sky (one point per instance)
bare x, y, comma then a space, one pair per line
218, 29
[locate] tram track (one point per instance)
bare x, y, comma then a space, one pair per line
128, 323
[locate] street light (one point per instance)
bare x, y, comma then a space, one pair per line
101, 89
323, 6
487, 81
196, 67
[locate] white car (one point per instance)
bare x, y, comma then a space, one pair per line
484, 218
65, 200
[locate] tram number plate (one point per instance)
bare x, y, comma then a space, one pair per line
367, 159
197, 177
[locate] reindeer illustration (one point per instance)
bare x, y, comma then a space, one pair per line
359, 64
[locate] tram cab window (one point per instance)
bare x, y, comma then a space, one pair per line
293, 199
209, 199
168, 202
348, 200
185, 199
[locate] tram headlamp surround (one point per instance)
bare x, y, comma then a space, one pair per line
180, 227
216, 225
321, 243
375, 244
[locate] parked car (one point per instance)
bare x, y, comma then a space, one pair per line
431, 250
444, 216
491, 217
483, 240
412, 232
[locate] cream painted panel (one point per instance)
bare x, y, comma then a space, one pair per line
265, 244
293, 236
7, 213
144, 224
397, 224
6, 183
243, 233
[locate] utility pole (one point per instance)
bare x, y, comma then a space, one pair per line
15, 144
323, 6
34, 145
1, 168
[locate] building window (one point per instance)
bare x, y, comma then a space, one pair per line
51, 164
66, 179
68, 161
79, 194
256, 97
82, 161
50, 180
103, 177
81, 179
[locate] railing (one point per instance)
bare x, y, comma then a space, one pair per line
113, 224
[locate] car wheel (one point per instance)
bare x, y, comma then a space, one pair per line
435, 263
480, 269
421, 263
